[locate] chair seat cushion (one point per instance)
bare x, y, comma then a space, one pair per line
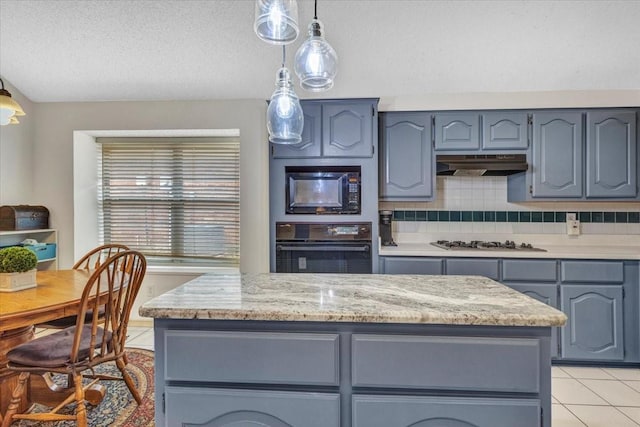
54, 350
68, 321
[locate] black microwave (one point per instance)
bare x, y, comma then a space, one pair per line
323, 190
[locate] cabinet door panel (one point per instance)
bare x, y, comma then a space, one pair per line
407, 411
191, 407
504, 131
311, 133
594, 327
611, 154
457, 131
557, 155
347, 130
546, 293
406, 163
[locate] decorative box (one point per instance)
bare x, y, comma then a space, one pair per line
43, 250
23, 217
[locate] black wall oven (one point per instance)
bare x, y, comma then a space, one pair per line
323, 190
323, 248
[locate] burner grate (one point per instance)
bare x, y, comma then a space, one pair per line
484, 245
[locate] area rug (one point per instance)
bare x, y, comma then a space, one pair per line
118, 409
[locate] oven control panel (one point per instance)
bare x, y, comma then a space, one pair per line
322, 231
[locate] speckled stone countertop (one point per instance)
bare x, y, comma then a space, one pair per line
363, 298
551, 252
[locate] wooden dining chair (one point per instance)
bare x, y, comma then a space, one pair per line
89, 261
96, 256
80, 348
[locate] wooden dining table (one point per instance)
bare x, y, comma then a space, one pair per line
57, 295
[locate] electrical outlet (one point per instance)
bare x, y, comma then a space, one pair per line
573, 227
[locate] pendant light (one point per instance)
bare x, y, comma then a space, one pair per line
9, 108
276, 21
284, 114
316, 62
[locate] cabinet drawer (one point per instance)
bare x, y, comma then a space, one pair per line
387, 411
537, 271
592, 271
417, 265
222, 407
474, 267
252, 357
453, 363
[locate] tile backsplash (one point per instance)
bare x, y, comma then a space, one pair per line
479, 204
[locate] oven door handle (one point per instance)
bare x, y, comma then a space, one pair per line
325, 248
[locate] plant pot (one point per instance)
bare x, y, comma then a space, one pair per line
11, 282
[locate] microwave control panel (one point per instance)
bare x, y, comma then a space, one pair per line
353, 185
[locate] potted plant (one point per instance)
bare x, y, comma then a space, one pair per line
17, 269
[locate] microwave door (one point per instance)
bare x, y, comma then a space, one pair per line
316, 192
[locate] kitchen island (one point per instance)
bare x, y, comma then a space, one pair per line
329, 350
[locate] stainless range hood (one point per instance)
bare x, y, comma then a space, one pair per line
481, 164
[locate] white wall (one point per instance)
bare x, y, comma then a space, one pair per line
53, 159
16, 152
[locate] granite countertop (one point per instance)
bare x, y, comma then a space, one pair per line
551, 252
366, 298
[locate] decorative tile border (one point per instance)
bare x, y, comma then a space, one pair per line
516, 216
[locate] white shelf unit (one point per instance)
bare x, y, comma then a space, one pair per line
49, 235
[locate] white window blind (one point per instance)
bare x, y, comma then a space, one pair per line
173, 199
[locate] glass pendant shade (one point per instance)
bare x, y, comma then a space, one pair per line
284, 114
9, 108
276, 21
316, 62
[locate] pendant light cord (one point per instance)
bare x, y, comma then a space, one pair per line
283, 56
315, 10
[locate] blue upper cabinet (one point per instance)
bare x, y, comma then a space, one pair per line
347, 129
311, 133
457, 131
611, 154
557, 155
504, 131
334, 128
580, 155
406, 160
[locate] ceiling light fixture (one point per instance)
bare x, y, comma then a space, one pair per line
316, 62
276, 21
284, 114
9, 108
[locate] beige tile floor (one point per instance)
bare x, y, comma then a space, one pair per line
595, 397
582, 396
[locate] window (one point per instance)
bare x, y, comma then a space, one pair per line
173, 199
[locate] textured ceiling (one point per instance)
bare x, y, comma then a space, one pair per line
57, 50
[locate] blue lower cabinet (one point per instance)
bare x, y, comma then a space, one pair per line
546, 293
594, 328
410, 411
192, 406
